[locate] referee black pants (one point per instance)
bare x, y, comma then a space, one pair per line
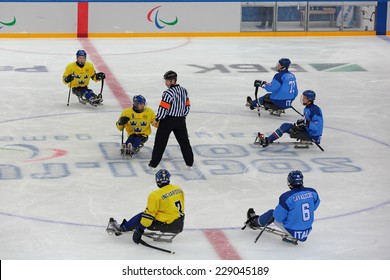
178, 126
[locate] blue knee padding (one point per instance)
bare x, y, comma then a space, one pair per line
133, 222
135, 140
88, 94
263, 219
286, 127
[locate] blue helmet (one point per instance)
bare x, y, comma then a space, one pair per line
81, 53
310, 95
295, 178
285, 62
162, 177
138, 99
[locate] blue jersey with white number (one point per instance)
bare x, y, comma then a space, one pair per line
313, 113
283, 86
296, 211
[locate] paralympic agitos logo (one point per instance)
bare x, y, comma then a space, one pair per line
160, 24
11, 23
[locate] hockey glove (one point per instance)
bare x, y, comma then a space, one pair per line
303, 122
138, 231
100, 76
259, 83
123, 120
69, 78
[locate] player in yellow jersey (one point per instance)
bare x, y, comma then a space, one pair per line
77, 75
164, 211
137, 121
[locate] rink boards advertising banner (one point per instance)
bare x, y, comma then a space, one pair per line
119, 17
151, 18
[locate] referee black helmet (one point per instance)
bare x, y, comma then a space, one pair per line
170, 75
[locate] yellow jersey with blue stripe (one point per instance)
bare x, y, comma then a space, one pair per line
139, 123
165, 205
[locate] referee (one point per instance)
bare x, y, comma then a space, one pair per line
171, 115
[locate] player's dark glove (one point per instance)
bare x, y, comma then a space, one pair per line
69, 78
303, 122
259, 83
123, 120
100, 76
137, 234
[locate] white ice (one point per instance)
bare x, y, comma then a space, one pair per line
56, 206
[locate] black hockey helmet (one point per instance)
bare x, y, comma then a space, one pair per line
295, 179
170, 75
163, 178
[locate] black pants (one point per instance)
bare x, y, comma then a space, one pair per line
300, 133
178, 126
267, 103
176, 226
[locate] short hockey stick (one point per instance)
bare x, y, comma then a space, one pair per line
257, 101
154, 247
101, 89
261, 232
318, 145
123, 149
296, 111
311, 139
123, 134
70, 88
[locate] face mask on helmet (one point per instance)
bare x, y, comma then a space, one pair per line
137, 101
162, 178
310, 95
81, 57
81, 53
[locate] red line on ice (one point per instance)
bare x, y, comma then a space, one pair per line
111, 81
221, 245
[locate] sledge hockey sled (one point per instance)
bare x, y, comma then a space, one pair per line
272, 110
128, 151
157, 236
276, 112
298, 144
285, 236
97, 102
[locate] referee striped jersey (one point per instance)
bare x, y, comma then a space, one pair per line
174, 103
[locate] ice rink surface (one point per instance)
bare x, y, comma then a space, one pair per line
62, 177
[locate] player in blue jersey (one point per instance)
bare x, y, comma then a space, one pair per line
294, 213
283, 89
309, 128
